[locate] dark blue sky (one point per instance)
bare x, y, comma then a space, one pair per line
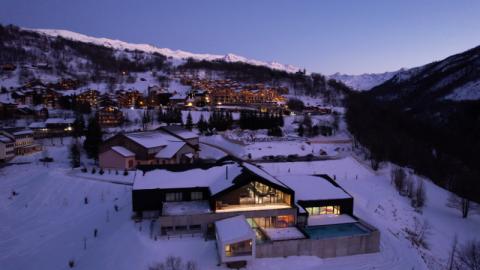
324, 36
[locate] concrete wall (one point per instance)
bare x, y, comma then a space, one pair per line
323, 248
204, 219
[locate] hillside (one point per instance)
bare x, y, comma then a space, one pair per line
455, 78
427, 118
50, 56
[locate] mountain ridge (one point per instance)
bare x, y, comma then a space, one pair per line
175, 54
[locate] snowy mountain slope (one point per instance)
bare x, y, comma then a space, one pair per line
175, 54
453, 78
364, 82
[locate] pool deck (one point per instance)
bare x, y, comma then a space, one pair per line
323, 247
330, 220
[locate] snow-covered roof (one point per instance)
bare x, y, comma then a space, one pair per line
311, 188
178, 96
170, 150
214, 178
152, 139
5, 139
181, 132
260, 172
287, 233
123, 151
60, 121
234, 229
37, 125
23, 132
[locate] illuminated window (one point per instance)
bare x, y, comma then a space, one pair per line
324, 210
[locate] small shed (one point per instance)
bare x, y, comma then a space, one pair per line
235, 240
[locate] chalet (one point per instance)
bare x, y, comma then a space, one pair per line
150, 148
109, 116
177, 100
52, 127
129, 98
253, 214
90, 97
7, 147
24, 140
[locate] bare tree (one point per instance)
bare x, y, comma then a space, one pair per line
462, 204
398, 178
418, 234
420, 195
173, 263
468, 257
453, 252
409, 187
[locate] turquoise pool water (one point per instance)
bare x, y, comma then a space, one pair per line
335, 230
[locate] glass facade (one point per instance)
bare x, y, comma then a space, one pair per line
323, 210
243, 248
272, 222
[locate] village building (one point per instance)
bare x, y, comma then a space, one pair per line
7, 148
178, 100
159, 147
24, 140
109, 116
52, 127
90, 97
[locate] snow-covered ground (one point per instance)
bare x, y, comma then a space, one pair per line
48, 222
377, 202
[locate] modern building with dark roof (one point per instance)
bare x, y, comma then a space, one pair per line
305, 210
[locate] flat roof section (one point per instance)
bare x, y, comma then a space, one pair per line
313, 188
234, 229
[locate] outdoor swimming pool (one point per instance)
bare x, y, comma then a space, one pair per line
335, 230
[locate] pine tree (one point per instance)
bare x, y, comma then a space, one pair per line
178, 117
74, 155
93, 138
145, 120
78, 126
161, 116
307, 122
189, 123
202, 125
300, 130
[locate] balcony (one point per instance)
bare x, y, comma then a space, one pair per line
251, 207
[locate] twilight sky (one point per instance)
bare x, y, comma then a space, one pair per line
322, 36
